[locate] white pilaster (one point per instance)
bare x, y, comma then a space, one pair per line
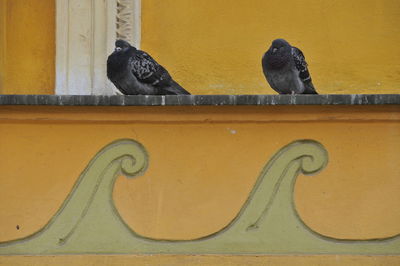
86, 32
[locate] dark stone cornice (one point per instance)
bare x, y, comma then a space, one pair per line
200, 100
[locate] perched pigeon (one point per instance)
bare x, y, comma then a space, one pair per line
135, 72
286, 69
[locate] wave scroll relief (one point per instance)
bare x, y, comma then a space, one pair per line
268, 222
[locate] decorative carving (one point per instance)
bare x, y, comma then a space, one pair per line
268, 223
127, 22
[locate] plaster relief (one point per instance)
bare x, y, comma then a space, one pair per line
268, 223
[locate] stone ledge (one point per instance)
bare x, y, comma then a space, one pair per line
200, 100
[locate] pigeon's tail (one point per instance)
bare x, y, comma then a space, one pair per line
175, 89
310, 89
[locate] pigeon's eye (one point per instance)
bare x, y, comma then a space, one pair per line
118, 49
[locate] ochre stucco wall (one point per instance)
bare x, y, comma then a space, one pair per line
27, 46
215, 46
203, 164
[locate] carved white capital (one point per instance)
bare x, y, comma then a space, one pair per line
86, 32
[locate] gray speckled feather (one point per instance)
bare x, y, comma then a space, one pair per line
135, 72
286, 69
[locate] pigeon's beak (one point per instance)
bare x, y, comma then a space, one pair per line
274, 50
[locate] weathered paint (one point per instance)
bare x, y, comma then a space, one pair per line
215, 46
27, 47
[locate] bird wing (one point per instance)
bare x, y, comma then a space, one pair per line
301, 64
147, 70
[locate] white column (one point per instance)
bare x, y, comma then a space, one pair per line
86, 32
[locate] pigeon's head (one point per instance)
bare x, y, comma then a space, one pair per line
278, 55
279, 45
122, 46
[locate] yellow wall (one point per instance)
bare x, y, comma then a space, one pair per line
193, 186
215, 46
27, 46
203, 165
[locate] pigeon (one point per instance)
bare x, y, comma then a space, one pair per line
285, 69
134, 72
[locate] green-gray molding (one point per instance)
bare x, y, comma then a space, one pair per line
268, 223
